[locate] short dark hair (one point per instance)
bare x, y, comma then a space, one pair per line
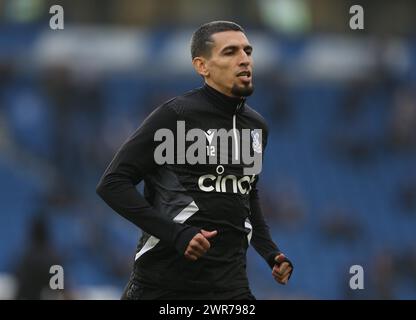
201, 42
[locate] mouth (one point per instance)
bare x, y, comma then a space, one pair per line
244, 76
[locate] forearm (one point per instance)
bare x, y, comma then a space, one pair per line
261, 239
122, 196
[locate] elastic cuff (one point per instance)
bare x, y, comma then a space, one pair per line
184, 238
270, 260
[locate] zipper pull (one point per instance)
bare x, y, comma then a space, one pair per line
239, 106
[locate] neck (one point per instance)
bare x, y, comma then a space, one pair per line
221, 90
220, 100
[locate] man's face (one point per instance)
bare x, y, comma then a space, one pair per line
230, 64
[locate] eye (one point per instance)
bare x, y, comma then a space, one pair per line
248, 51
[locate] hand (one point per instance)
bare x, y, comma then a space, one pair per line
199, 244
282, 270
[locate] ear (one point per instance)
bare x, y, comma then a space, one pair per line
200, 65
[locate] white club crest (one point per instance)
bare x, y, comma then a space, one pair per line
256, 142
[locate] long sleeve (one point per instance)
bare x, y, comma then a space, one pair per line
133, 160
261, 239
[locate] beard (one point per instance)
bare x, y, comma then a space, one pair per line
243, 91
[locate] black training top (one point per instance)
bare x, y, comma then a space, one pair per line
181, 199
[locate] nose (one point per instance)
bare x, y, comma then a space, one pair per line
245, 59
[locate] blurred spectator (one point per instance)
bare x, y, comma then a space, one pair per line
60, 90
402, 133
406, 265
283, 206
7, 71
352, 103
340, 225
281, 108
32, 269
407, 196
356, 148
383, 275
349, 139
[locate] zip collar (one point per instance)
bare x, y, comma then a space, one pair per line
228, 104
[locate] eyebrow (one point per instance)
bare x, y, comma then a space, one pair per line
234, 47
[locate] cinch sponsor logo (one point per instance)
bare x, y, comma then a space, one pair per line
210, 183
246, 147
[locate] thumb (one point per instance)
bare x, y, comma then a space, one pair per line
209, 234
279, 258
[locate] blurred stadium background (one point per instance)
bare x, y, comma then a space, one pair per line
338, 185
